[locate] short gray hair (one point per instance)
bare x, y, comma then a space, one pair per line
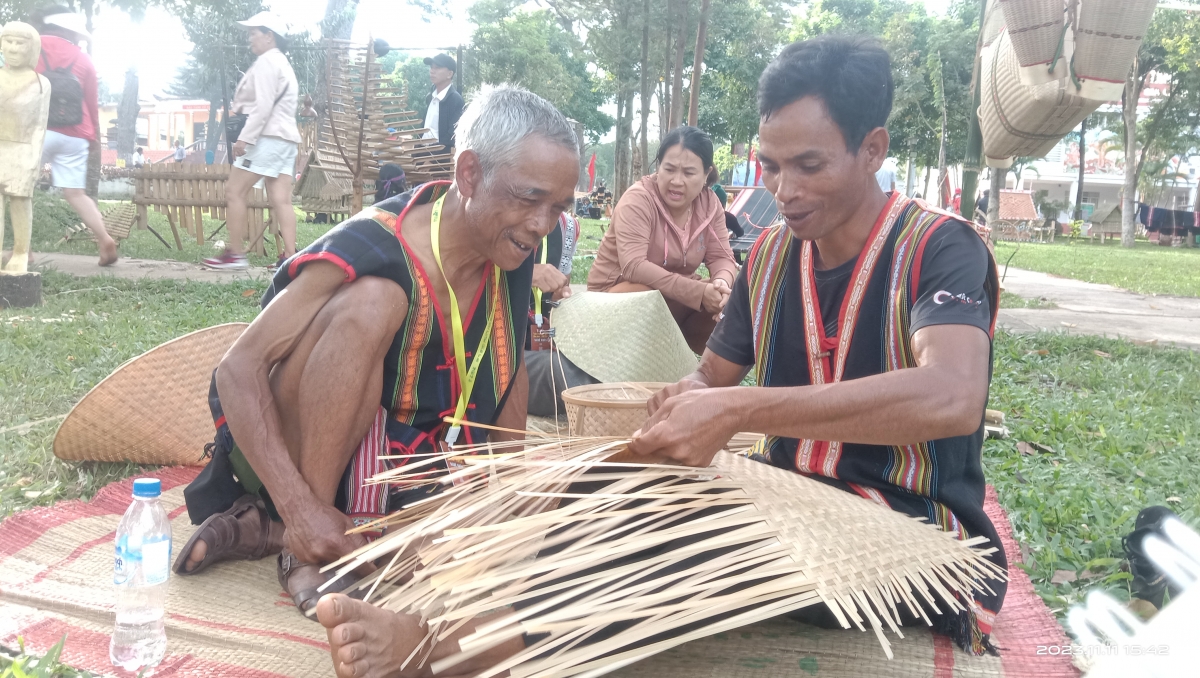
499, 118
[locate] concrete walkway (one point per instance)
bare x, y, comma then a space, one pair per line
1080, 307
137, 269
1088, 308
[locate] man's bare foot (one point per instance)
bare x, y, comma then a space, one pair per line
249, 533
108, 252
368, 642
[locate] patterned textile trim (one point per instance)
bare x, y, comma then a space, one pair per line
365, 501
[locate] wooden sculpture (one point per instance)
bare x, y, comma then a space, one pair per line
24, 108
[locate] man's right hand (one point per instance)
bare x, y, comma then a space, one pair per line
684, 385
317, 534
549, 279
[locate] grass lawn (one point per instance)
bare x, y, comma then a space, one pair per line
1147, 268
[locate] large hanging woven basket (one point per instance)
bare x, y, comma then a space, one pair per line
1018, 120
608, 410
154, 408
1035, 28
993, 22
1108, 35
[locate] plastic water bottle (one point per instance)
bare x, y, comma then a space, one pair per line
141, 571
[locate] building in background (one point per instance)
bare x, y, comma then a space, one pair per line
160, 123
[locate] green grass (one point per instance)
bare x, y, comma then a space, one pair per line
1123, 422
52, 217
52, 355
1147, 268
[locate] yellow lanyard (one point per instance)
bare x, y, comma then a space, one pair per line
466, 377
537, 293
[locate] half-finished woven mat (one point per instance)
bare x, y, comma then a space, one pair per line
56, 565
154, 408
622, 337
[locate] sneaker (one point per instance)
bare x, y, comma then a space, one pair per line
228, 261
1148, 583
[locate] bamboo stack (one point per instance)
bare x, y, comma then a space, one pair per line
386, 106
766, 542
185, 192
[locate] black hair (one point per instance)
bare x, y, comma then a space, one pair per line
850, 74
281, 41
693, 139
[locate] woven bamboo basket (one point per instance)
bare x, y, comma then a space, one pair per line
154, 408
1036, 29
1024, 121
1107, 38
608, 410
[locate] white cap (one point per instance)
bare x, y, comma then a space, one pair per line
72, 22
268, 20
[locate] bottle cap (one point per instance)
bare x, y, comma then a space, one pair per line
147, 487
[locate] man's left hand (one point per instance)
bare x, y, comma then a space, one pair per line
239, 149
689, 428
550, 280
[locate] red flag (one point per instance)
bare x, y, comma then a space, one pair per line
591, 172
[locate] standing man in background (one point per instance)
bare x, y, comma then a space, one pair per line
73, 127
180, 154
444, 106
886, 176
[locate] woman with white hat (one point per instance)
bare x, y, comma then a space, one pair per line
265, 146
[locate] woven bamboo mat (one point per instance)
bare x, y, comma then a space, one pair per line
55, 566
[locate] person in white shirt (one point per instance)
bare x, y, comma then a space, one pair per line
138, 158
180, 154
886, 176
444, 106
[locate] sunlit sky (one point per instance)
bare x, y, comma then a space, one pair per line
158, 46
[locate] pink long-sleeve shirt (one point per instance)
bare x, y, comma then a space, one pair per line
644, 246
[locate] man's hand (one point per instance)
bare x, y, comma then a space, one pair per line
689, 428
317, 534
550, 280
688, 383
239, 149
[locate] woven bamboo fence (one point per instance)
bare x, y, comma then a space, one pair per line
185, 192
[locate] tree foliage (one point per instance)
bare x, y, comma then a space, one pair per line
534, 50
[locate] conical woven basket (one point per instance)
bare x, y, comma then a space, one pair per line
1108, 37
608, 410
154, 408
1017, 120
1036, 29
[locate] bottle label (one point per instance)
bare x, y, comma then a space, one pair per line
152, 558
156, 561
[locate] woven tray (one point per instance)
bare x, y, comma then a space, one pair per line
608, 410
154, 408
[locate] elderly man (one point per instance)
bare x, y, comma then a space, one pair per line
409, 312
870, 315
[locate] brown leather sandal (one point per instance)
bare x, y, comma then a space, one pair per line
222, 534
306, 598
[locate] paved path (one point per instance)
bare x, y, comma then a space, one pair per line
137, 269
1080, 307
1088, 308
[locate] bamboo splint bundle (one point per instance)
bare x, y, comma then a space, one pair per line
769, 542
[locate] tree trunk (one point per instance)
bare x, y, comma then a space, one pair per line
339, 19
1129, 189
127, 114
645, 93
1082, 164
213, 137
677, 73
910, 175
941, 181
749, 152
664, 85
993, 211
925, 185
698, 64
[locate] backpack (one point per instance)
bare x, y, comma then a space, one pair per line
66, 95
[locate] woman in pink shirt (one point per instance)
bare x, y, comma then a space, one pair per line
664, 227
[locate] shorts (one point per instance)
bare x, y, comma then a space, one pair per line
269, 157
68, 159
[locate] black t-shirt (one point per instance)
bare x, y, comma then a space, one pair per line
952, 280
